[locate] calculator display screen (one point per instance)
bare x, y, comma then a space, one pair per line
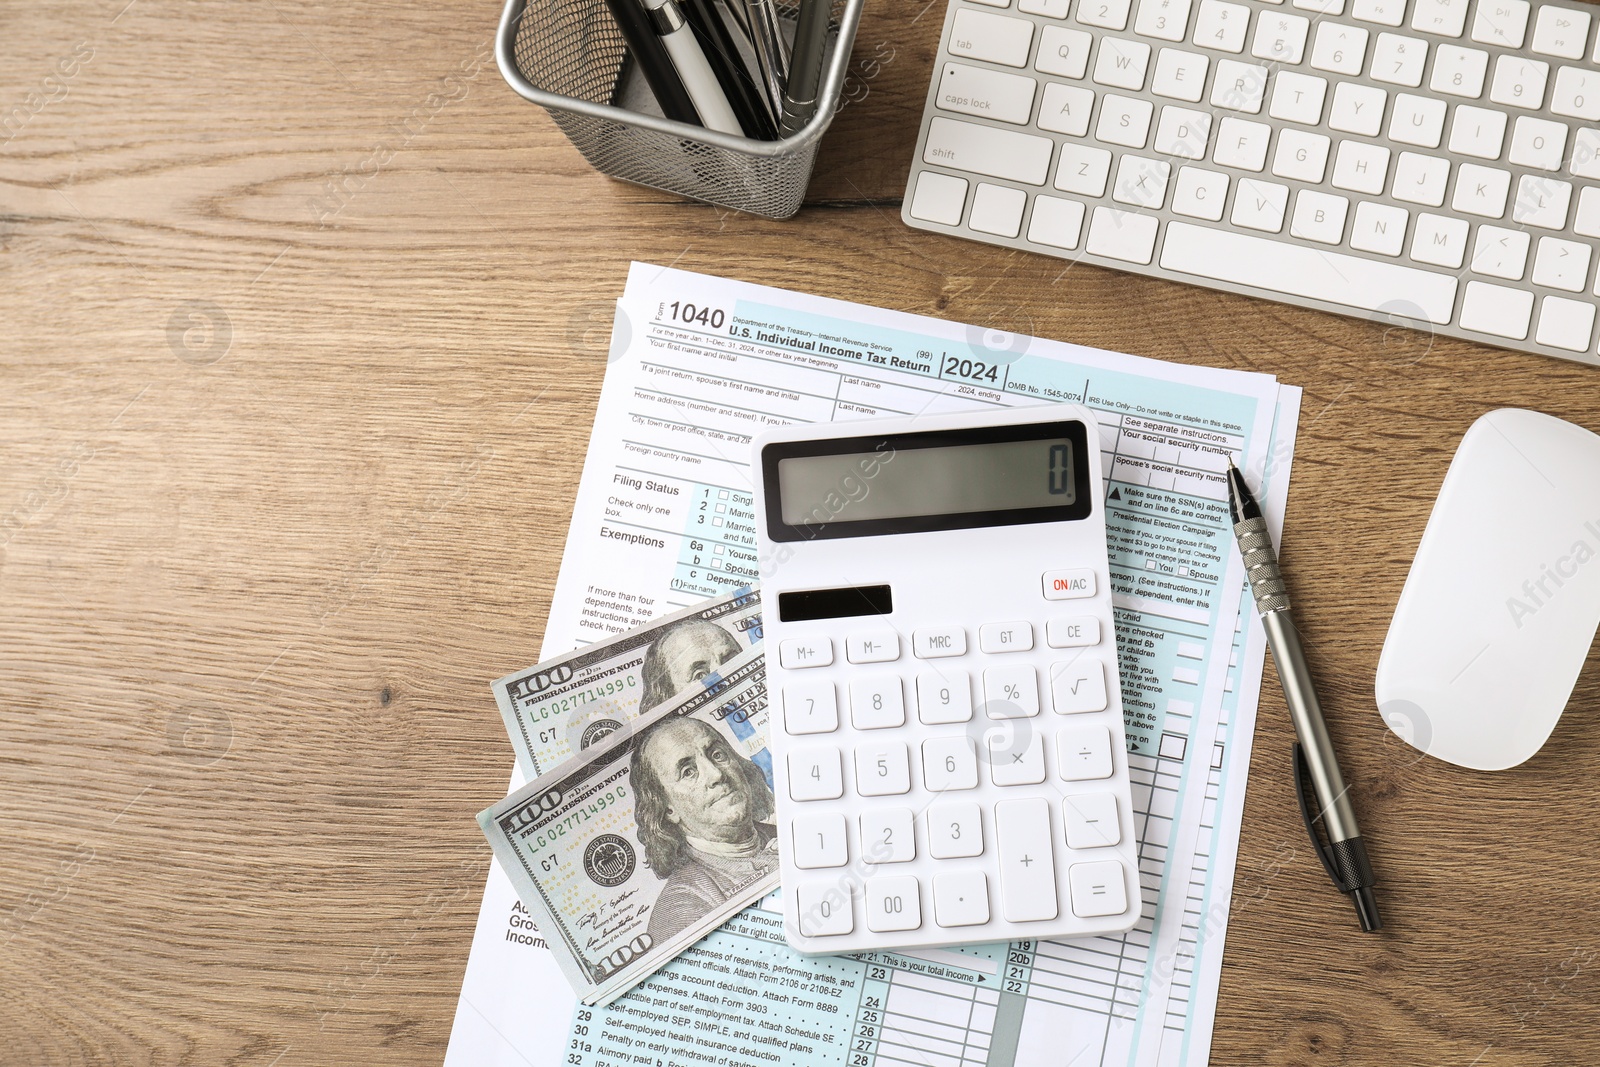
986, 476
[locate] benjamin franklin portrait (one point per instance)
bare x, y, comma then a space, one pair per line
686, 652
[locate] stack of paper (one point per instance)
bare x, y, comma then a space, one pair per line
664, 518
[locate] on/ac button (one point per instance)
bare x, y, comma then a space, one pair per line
1068, 585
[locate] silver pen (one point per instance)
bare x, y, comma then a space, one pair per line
1345, 855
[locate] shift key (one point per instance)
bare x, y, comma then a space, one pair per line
991, 94
1017, 157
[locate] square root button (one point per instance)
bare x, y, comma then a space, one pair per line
1069, 585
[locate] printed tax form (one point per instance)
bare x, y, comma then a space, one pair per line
664, 518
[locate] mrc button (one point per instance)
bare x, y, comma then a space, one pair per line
1068, 585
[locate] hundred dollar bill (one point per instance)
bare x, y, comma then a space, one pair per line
564, 705
633, 850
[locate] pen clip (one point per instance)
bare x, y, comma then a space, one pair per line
1305, 796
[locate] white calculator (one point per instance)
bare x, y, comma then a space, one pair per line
947, 731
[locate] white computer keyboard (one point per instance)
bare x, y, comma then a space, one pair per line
1431, 163
948, 742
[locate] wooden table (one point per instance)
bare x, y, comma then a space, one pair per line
305, 316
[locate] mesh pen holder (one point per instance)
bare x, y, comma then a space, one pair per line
568, 57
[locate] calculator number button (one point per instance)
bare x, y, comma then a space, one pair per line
877, 703
1011, 692
819, 841
1018, 759
1027, 861
1085, 753
875, 646
810, 708
893, 903
1068, 585
887, 837
824, 909
936, 642
1078, 686
955, 831
949, 763
961, 898
944, 697
1072, 633
882, 769
1091, 820
1098, 889
1005, 637
815, 774
799, 652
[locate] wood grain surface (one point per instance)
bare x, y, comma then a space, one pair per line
303, 322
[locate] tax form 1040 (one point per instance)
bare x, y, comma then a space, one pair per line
665, 517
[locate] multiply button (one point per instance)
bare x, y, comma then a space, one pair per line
875, 646
1068, 585
1005, 637
935, 642
799, 652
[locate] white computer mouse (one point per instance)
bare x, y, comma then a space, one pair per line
1503, 598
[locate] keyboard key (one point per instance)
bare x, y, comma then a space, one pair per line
1587, 219
1481, 190
1107, 14
1295, 270
997, 209
1541, 202
1477, 131
1447, 18
1417, 120
1005, 636
1072, 633
955, 831
1585, 161
936, 642
882, 769
939, 198
1050, 9
1519, 82
1083, 170
1200, 194
1183, 133
960, 898
1098, 888
993, 94
1259, 205
1085, 753
1501, 22
1494, 309
1091, 820
815, 774
1339, 49
1063, 52
1242, 143
1124, 121
1319, 217
1321, 7
1439, 240
1122, 64
1011, 692
824, 909
1165, 20
796, 653
1016, 760
1358, 108
1399, 60
1017, 157
1180, 75
1379, 228
1576, 94
1538, 143
1561, 264
1080, 685
991, 38
1221, 25
1383, 12
1500, 252
1142, 182
1239, 86
1280, 37
1027, 860
819, 840
1301, 155
949, 763
1055, 222
1565, 323
872, 646
876, 702
1459, 71
1561, 31
810, 708
887, 837
1360, 167
1065, 109
893, 904
944, 697
1068, 585
1298, 97
995, 3
1122, 235
1420, 179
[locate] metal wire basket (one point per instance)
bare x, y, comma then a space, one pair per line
568, 57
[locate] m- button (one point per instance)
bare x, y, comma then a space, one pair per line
1068, 585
